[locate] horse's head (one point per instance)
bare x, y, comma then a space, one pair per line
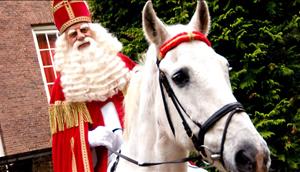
199, 78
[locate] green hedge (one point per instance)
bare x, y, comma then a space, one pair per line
260, 39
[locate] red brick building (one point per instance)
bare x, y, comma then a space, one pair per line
26, 73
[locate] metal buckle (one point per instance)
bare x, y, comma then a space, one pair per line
210, 157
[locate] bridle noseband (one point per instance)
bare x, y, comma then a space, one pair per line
231, 108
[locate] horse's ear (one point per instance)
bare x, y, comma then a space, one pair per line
201, 19
154, 30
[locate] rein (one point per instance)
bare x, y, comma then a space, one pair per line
198, 140
145, 164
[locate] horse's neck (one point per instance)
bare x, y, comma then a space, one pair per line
146, 141
147, 144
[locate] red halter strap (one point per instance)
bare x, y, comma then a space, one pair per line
180, 38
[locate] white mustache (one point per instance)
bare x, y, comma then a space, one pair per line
78, 43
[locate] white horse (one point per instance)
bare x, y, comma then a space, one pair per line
156, 132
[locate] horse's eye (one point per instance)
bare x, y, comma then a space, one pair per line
181, 77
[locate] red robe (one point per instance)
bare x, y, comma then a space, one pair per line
70, 123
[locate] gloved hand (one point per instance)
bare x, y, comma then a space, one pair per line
102, 136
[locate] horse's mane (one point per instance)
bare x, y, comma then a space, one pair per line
131, 100
141, 83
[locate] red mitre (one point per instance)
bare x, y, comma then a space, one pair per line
69, 12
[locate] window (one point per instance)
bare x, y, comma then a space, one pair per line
44, 39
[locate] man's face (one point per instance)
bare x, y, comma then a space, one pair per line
77, 34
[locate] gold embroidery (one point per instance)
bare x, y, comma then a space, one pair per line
69, 9
57, 6
191, 36
74, 166
85, 159
73, 21
61, 4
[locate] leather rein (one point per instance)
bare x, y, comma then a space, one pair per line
198, 140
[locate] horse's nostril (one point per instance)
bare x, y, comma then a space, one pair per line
245, 160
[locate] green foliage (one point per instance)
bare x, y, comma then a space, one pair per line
261, 41
263, 49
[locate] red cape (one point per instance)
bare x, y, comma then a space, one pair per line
70, 123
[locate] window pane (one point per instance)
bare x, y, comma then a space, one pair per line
52, 39
46, 59
42, 41
50, 88
45, 38
50, 77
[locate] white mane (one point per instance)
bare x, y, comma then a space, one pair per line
142, 84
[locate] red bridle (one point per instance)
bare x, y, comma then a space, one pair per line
180, 38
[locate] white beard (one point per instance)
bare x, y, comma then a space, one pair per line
93, 73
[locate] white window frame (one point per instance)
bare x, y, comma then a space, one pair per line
50, 29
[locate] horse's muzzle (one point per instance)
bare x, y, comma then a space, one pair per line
249, 159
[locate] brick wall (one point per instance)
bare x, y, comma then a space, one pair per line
23, 109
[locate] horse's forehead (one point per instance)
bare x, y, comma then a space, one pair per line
178, 28
196, 52
199, 58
